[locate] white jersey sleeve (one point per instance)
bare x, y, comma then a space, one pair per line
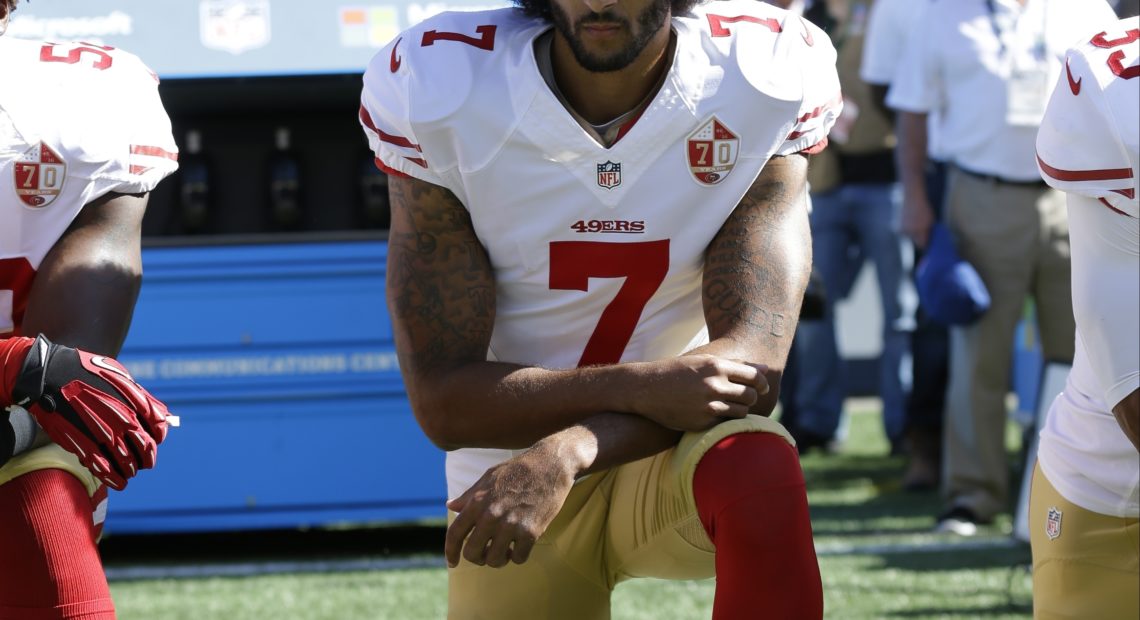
822, 100
140, 145
417, 84
386, 112
1088, 140
96, 107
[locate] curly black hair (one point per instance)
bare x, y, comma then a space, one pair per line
541, 8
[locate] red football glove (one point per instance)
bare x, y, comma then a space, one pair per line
86, 403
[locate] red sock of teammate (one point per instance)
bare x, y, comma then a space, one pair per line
49, 563
751, 499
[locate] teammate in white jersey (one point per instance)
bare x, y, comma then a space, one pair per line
83, 139
598, 250
1085, 499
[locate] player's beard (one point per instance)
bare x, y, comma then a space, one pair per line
649, 22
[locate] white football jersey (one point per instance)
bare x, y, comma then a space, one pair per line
1088, 147
1089, 138
598, 252
77, 121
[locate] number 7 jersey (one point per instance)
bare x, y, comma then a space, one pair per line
598, 252
77, 121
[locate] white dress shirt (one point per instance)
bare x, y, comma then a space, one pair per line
963, 60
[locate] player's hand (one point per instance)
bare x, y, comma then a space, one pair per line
502, 515
697, 392
91, 407
917, 220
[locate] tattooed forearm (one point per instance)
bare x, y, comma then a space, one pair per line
440, 284
757, 267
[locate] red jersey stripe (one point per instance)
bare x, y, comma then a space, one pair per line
1109, 205
153, 151
1108, 174
821, 109
388, 170
816, 148
386, 137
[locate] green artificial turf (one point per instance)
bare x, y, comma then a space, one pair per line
877, 556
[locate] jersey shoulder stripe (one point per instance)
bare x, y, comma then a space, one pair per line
1088, 142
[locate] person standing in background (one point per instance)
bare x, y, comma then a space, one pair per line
986, 66
889, 26
854, 207
1084, 510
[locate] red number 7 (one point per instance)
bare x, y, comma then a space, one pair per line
718, 29
643, 265
486, 40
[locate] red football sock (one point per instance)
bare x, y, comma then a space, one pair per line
49, 562
751, 499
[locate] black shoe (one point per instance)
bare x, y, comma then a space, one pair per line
959, 520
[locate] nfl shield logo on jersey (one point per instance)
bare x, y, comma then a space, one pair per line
39, 174
711, 151
234, 26
609, 175
1053, 523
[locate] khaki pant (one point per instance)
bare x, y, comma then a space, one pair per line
1017, 238
636, 520
1086, 565
50, 456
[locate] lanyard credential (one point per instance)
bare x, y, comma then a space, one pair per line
1039, 51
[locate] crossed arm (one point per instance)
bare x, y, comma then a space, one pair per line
85, 288
576, 421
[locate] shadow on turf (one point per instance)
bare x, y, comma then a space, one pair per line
972, 612
958, 559
267, 545
1017, 590
838, 472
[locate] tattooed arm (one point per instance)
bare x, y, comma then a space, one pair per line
756, 271
440, 288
